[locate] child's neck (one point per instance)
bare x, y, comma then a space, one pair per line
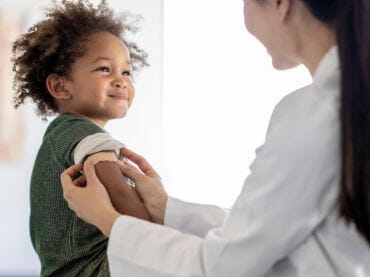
98, 121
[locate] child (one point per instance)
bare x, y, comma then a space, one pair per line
76, 64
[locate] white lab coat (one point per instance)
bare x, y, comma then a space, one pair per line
284, 222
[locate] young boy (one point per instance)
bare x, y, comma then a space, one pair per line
76, 64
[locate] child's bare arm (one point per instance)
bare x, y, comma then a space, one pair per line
125, 200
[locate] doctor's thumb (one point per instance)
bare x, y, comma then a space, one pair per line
89, 170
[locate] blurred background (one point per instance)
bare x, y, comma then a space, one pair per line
201, 108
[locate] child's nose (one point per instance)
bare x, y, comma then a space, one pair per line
119, 83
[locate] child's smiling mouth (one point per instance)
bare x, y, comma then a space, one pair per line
118, 96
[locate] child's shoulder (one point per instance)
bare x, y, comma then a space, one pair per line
65, 132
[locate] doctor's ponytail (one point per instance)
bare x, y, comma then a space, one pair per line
353, 35
351, 19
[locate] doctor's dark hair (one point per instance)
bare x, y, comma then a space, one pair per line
53, 45
351, 20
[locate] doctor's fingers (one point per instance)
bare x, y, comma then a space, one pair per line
80, 181
70, 190
131, 172
66, 177
90, 173
140, 161
129, 164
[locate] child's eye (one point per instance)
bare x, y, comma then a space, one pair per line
126, 73
103, 68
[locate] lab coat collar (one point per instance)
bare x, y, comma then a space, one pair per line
328, 66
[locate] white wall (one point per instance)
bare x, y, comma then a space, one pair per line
219, 92
141, 130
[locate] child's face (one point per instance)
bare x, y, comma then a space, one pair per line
100, 82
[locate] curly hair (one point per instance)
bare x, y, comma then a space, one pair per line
52, 45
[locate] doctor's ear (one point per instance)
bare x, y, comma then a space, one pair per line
283, 7
56, 86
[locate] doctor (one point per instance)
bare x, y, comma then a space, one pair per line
305, 208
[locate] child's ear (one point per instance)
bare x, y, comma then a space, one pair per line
56, 86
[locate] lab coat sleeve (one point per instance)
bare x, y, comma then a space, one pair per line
288, 194
192, 218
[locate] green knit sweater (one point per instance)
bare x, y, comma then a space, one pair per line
66, 245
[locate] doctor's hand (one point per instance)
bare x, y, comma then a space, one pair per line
147, 184
90, 202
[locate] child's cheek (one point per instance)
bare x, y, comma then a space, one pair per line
131, 95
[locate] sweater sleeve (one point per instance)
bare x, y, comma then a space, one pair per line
193, 218
96, 143
69, 131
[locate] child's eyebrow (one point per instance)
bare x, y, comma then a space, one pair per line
106, 59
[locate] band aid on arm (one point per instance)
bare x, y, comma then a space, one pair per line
102, 157
100, 142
